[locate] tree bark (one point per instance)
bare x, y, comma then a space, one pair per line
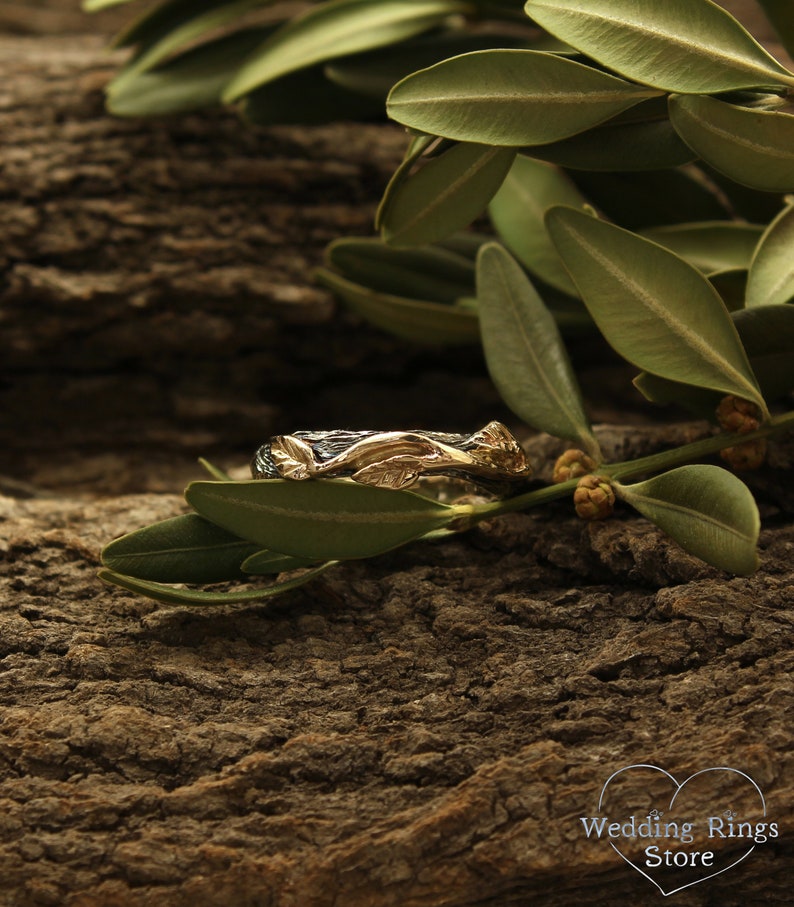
424, 729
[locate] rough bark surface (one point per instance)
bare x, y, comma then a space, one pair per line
423, 729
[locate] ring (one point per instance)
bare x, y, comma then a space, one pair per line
491, 457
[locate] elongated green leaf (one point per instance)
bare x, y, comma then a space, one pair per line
190, 81
510, 97
319, 519
264, 562
752, 147
429, 273
767, 334
687, 46
710, 246
525, 353
650, 144
517, 211
171, 26
697, 400
771, 277
336, 29
445, 195
185, 549
307, 98
656, 310
425, 322
706, 509
171, 595
779, 14
419, 146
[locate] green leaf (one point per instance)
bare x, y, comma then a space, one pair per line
779, 14
771, 277
175, 596
185, 549
767, 332
306, 98
264, 562
319, 519
752, 147
418, 147
445, 194
510, 97
190, 81
687, 46
656, 310
662, 391
425, 322
170, 26
336, 29
525, 353
633, 140
767, 335
653, 198
710, 246
517, 211
429, 273
706, 509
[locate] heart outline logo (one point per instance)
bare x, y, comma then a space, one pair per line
678, 789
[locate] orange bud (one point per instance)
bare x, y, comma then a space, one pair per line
747, 456
594, 498
735, 414
571, 465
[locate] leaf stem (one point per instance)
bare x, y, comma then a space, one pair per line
657, 462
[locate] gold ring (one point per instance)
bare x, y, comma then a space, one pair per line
491, 458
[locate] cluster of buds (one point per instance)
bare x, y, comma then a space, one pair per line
593, 498
741, 416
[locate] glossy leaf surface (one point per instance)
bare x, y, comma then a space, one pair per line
771, 277
170, 27
336, 29
190, 81
710, 246
524, 351
445, 195
752, 147
707, 510
425, 322
429, 273
687, 46
517, 212
510, 97
319, 519
656, 310
185, 549
171, 595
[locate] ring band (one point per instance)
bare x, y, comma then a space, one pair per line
491, 457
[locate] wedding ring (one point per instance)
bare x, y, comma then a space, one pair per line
491, 458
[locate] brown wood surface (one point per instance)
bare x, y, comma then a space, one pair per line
424, 729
